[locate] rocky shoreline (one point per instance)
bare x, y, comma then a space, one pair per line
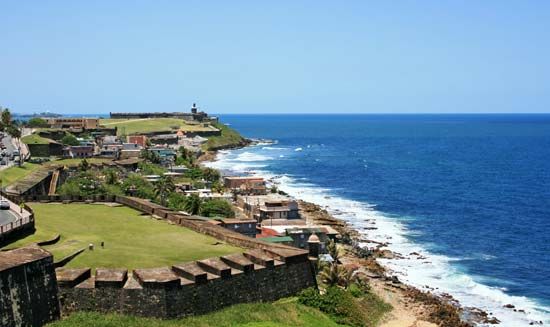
442, 310
412, 307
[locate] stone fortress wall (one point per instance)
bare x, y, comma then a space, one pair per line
28, 288
264, 272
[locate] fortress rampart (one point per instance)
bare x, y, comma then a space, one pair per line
263, 272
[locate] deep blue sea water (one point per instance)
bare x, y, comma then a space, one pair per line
472, 192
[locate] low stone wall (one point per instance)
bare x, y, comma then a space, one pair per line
23, 226
15, 230
66, 198
186, 289
28, 288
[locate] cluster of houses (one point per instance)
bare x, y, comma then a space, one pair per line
273, 217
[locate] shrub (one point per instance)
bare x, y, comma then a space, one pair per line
37, 122
194, 173
176, 201
217, 208
151, 169
337, 303
142, 188
69, 139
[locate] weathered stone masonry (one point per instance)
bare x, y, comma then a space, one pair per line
28, 288
185, 289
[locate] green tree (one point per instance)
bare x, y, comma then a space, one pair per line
136, 185
211, 174
217, 187
84, 165
5, 117
111, 176
163, 187
69, 139
332, 274
176, 201
37, 122
217, 208
194, 173
184, 153
193, 204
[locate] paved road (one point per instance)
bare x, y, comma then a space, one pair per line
7, 141
6, 216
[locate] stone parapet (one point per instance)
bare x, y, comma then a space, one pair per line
185, 289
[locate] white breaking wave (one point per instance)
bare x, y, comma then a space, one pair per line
249, 157
271, 148
424, 270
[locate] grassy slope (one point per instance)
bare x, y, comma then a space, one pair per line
132, 126
22, 174
10, 175
282, 313
229, 138
131, 240
35, 139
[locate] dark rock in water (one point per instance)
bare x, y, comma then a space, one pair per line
509, 306
414, 253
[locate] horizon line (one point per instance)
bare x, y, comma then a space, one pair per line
313, 113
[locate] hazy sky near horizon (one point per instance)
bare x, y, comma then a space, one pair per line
275, 57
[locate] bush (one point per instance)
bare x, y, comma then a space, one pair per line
37, 122
194, 173
69, 139
211, 175
176, 201
217, 208
337, 303
151, 169
142, 188
83, 184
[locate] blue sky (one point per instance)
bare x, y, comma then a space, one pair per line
276, 57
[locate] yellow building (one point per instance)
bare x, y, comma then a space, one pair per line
74, 123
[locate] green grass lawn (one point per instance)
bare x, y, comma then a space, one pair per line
133, 126
282, 313
131, 240
35, 139
10, 175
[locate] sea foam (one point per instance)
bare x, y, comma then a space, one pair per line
418, 266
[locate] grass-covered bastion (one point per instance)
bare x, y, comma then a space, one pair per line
131, 239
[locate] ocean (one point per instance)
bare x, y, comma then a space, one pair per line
469, 193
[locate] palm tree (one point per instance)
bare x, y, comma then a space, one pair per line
193, 204
333, 274
163, 188
333, 250
348, 277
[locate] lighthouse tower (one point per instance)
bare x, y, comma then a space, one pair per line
194, 108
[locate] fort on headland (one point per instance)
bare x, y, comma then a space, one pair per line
194, 115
